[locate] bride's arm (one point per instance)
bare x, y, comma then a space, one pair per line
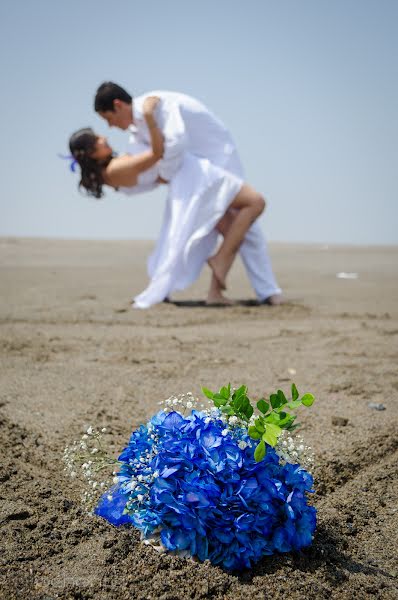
157, 140
124, 170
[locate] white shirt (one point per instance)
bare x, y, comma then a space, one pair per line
186, 125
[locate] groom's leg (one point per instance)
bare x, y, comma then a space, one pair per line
255, 257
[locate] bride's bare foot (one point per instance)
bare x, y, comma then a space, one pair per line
218, 300
214, 267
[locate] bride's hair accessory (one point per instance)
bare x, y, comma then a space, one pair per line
72, 158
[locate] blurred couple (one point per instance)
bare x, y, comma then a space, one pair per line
174, 140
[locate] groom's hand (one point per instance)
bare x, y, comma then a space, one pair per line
149, 105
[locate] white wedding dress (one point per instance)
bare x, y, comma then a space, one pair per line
199, 194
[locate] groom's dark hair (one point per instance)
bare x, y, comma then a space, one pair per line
107, 93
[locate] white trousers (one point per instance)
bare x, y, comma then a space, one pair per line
255, 257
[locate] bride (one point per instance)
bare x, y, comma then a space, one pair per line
203, 200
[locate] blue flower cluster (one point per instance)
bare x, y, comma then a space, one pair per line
197, 483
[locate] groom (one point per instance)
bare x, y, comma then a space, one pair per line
187, 125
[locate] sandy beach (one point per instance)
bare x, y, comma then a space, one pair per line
74, 353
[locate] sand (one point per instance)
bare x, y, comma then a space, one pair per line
73, 353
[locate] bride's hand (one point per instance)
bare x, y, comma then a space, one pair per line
149, 106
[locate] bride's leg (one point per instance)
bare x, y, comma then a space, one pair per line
248, 205
215, 295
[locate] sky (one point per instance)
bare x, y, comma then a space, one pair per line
308, 88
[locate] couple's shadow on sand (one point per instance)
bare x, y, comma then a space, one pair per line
204, 304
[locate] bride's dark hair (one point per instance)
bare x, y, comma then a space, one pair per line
82, 145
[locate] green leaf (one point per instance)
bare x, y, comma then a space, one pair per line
272, 432
219, 399
254, 434
259, 452
227, 410
308, 399
287, 421
258, 424
294, 404
295, 393
272, 417
224, 393
239, 392
263, 406
245, 403
237, 403
249, 411
208, 393
275, 402
282, 397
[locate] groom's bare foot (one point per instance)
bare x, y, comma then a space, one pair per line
274, 300
216, 272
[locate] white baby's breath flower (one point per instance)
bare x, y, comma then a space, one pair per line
110, 497
90, 431
103, 430
242, 445
225, 432
94, 451
233, 420
189, 405
115, 480
140, 497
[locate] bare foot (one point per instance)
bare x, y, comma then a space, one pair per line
218, 300
274, 300
213, 267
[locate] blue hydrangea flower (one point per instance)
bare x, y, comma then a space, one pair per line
188, 478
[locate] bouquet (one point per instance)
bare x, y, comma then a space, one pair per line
219, 483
